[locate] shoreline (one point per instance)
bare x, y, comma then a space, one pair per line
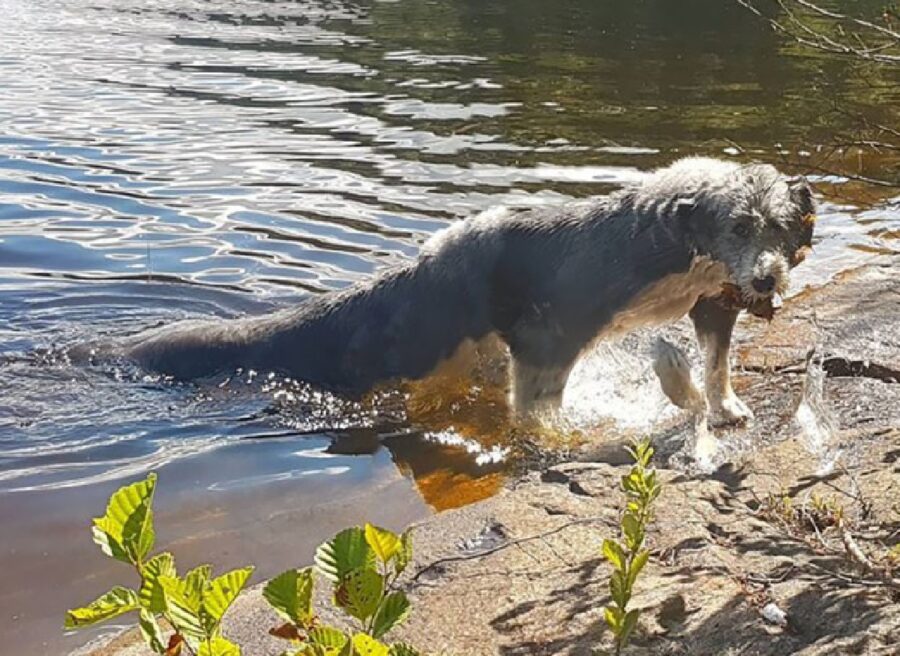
521, 573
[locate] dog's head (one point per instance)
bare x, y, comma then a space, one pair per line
759, 223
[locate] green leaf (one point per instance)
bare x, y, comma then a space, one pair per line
193, 585
614, 554
125, 532
618, 589
345, 552
634, 534
402, 649
328, 636
366, 646
359, 593
117, 601
150, 631
220, 594
613, 617
218, 646
151, 592
384, 543
628, 624
637, 564
632, 451
631, 483
405, 554
183, 601
290, 595
393, 610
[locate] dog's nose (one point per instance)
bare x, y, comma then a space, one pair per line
764, 285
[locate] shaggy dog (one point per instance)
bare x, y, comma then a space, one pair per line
702, 236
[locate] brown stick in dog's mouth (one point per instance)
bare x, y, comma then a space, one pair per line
733, 299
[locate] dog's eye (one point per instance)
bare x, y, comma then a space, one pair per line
742, 230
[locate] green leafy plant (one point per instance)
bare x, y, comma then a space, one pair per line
362, 565
628, 556
192, 606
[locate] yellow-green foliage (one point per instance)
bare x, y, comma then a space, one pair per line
193, 605
361, 563
628, 556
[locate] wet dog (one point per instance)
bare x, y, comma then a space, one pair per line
702, 236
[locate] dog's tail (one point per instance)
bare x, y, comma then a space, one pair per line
399, 325
674, 372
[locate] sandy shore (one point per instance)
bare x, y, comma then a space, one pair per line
520, 573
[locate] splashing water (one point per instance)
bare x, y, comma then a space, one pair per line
614, 382
818, 425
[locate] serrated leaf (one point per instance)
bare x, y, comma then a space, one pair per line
384, 543
328, 637
290, 595
196, 580
405, 554
219, 594
125, 532
150, 631
402, 649
359, 593
117, 601
367, 646
393, 610
628, 624
151, 592
218, 646
345, 552
614, 554
183, 606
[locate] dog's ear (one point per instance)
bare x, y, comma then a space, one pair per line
695, 224
801, 192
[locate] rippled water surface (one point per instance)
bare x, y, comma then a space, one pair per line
166, 159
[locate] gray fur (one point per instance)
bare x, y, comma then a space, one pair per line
546, 280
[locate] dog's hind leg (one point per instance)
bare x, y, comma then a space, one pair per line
714, 326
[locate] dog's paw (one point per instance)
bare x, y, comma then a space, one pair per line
731, 410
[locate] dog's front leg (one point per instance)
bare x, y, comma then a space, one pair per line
536, 389
714, 326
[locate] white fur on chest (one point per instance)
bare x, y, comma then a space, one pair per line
669, 298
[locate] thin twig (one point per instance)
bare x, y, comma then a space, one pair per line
852, 19
510, 543
857, 554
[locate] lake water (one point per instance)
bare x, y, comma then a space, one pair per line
168, 159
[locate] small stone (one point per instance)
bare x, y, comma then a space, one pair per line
774, 615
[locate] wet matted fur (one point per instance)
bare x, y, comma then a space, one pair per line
548, 281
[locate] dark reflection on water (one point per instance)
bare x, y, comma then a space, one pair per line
166, 159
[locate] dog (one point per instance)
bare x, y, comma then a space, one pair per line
702, 237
